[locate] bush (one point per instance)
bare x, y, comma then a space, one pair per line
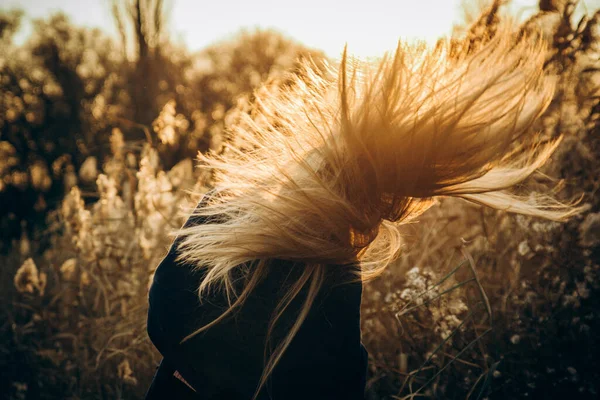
67, 88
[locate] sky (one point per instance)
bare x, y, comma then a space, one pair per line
370, 27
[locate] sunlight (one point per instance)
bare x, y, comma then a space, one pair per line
369, 28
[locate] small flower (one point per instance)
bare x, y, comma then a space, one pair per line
40, 176
117, 143
67, 269
70, 178
169, 124
515, 339
125, 372
388, 298
89, 170
131, 160
24, 244
85, 279
28, 279
524, 249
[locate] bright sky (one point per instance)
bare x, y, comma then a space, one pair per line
368, 26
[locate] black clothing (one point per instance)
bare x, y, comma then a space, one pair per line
166, 386
325, 360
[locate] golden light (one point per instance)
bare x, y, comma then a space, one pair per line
369, 27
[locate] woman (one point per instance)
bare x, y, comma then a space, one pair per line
225, 362
259, 296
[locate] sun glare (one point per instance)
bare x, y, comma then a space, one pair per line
369, 28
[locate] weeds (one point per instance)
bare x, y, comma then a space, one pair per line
481, 305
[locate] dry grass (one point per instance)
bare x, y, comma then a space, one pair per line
480, 305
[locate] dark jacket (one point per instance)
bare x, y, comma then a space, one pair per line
325, 360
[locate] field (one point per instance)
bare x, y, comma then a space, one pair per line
98, 140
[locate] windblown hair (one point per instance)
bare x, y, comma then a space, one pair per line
330, 166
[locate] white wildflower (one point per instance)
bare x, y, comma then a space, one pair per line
125, 372
67, 269
89, 170
24, 243
117, 143
40, 176
524, 249
169, 125
70, 178
28, 279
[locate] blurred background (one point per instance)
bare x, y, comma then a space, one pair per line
103, 107
325, 25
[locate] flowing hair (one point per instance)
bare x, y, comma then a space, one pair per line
326, 169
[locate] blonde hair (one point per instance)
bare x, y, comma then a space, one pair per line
326, 169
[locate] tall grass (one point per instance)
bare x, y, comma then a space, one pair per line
481, 304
